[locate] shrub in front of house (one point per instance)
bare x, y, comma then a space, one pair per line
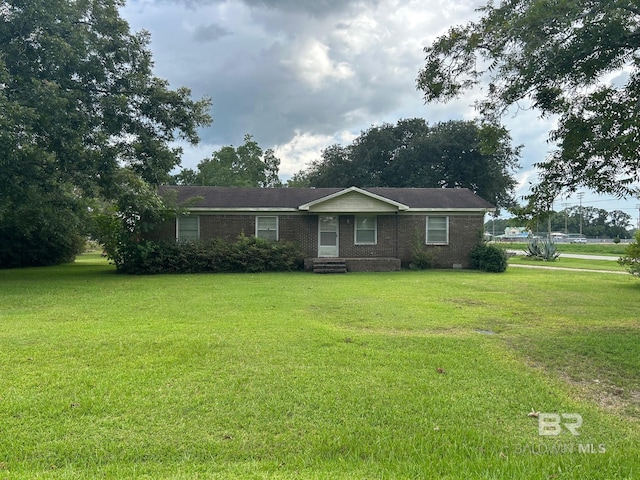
488, 258
247, 254
421, 258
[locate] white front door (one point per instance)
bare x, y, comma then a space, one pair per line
328, 236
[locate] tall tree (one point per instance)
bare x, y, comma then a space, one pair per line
576, 60
78, 103
455, 154
617, 223
245, 166
334, 169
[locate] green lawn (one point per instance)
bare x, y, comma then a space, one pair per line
565, 262
613, 249
397, 375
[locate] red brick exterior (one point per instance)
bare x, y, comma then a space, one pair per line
395, 235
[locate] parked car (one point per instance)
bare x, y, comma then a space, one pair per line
579, 240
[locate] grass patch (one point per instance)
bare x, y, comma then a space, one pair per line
564, 262
402, 375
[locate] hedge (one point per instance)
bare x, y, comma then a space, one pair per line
247, 254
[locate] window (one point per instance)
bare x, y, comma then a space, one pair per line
267, 228
366, 230
188, 229
438, 230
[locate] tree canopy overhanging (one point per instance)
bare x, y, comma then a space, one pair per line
81, 114
578, 61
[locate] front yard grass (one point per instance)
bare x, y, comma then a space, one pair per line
390, 375
565, 262
615, 250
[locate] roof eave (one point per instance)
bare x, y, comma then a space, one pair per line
475, 210
243, 209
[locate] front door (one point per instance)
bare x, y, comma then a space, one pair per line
328, 236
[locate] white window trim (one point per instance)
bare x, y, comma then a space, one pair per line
197, 217
375, 230
446, 242
277, 224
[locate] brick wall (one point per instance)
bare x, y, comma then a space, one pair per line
303, 229
385, 247
227, 227
464, 233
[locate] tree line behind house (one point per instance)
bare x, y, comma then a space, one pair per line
411, 153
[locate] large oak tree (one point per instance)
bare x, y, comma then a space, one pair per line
578, 61
80, 113
453, 154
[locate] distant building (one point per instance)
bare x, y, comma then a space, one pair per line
514, 234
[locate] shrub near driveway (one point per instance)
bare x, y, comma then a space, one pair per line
402, 375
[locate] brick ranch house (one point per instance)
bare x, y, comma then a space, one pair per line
356, 229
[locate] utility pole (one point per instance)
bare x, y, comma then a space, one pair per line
580, 195
638, 207
549, 222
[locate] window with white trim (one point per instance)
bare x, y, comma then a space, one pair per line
437, 230
267, 228
188, 228
366, 230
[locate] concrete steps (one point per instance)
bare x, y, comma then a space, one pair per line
329, 265
342, 265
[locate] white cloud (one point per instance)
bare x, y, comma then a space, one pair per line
306, 147
313, 65
360, 34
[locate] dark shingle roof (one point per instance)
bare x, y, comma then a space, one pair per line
254, 198
433, 197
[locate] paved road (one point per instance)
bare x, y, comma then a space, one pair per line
589, 257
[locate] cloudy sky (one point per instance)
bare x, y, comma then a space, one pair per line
300, 75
